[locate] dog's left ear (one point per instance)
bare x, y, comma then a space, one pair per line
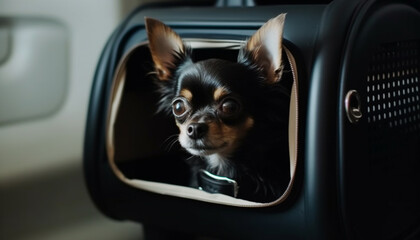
167, 48
264, 49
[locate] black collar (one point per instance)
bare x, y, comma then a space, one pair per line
216, 184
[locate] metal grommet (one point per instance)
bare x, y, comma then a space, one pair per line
352, 106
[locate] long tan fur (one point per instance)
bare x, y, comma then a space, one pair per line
266, 48
164, 45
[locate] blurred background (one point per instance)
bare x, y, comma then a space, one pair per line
48, 53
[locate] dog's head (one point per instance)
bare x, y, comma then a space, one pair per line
214, 101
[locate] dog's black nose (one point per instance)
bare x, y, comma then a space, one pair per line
197, 130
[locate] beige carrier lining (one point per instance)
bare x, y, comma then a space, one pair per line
183, 191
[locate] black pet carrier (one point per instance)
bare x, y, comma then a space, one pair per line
352, 68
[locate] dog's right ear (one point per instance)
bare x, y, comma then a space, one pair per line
167, 49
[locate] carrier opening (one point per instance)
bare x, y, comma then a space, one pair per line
142, 145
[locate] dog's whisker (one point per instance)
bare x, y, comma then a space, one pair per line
170, 142
170, 138
151, 73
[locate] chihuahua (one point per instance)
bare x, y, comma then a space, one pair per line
232, 116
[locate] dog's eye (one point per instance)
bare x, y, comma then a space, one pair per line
179, 107
230, 107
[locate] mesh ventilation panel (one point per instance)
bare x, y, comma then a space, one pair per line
393, 92
392, 108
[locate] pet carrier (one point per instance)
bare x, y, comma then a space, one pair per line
352, 68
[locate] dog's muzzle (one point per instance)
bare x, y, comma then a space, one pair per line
217, 184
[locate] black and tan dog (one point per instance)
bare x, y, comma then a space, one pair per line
232, 116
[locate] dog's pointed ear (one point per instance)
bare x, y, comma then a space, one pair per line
264, 49
166, 47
